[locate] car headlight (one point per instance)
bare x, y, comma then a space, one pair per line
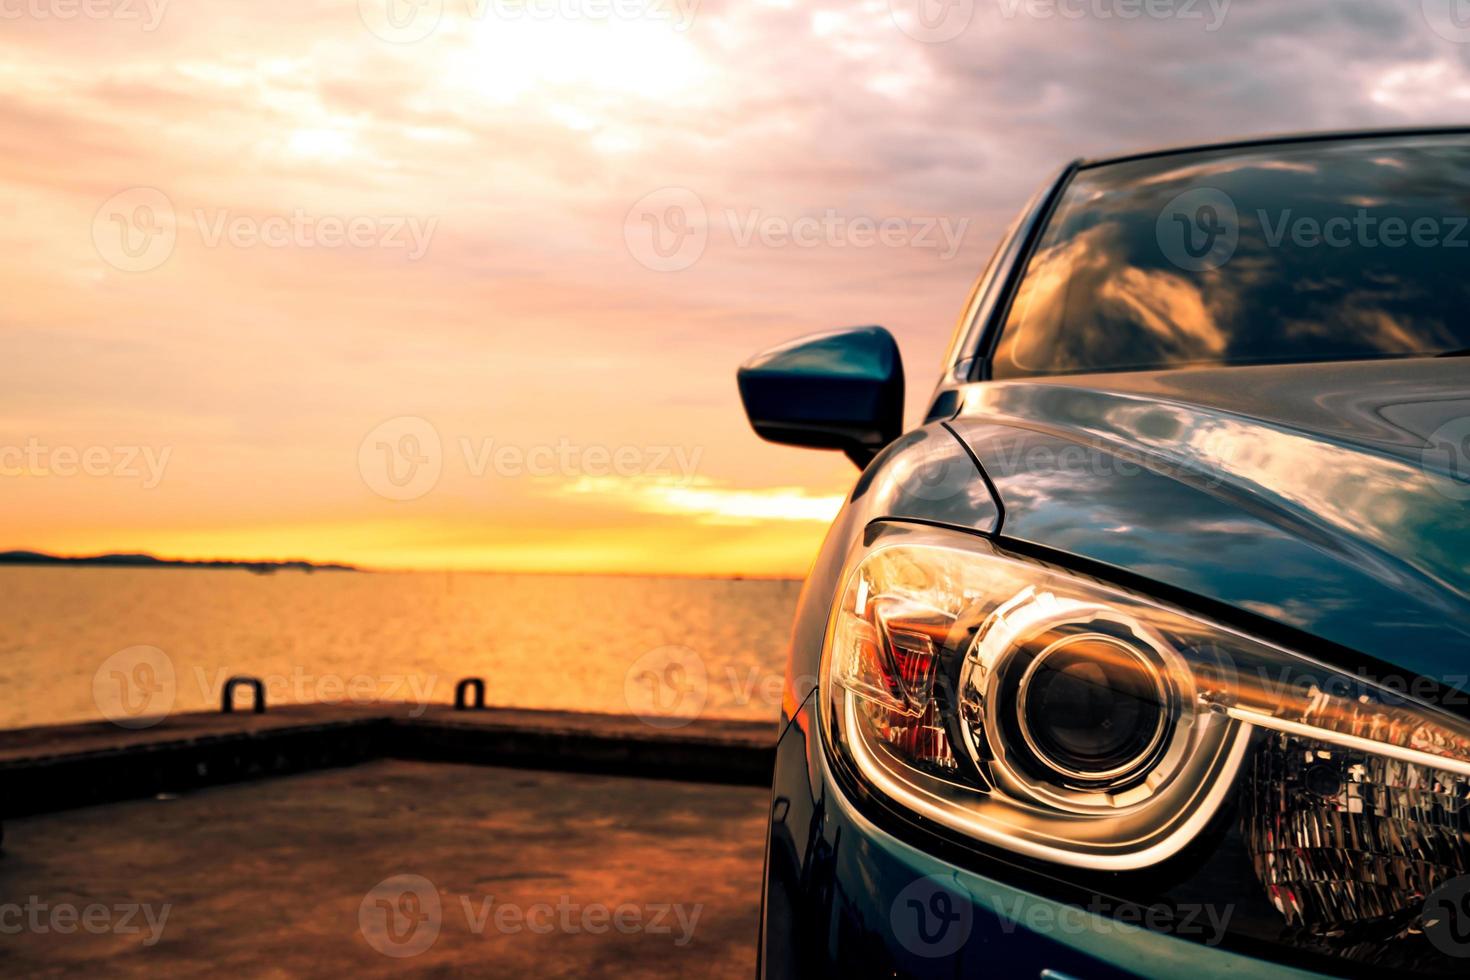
1050, 715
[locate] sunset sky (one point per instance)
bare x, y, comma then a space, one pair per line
261, 257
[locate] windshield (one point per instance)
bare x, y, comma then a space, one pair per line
1293, 252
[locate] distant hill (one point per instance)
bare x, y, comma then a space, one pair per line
148, 561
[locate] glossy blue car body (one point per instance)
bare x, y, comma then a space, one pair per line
1306, 511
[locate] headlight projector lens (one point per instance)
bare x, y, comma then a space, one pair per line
1092, 708
1075, 705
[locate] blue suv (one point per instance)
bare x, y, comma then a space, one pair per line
1148, 652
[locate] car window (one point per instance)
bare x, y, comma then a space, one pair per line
959, 347
987, 290
1292, 252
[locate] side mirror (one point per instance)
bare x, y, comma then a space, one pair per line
840, 390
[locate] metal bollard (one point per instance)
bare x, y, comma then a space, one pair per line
459, 694
227, 697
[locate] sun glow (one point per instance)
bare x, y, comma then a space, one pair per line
568, 65
710, 502
321, 144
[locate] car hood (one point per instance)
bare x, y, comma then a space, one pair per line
1332, 499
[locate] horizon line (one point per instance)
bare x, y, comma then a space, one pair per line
336, 565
